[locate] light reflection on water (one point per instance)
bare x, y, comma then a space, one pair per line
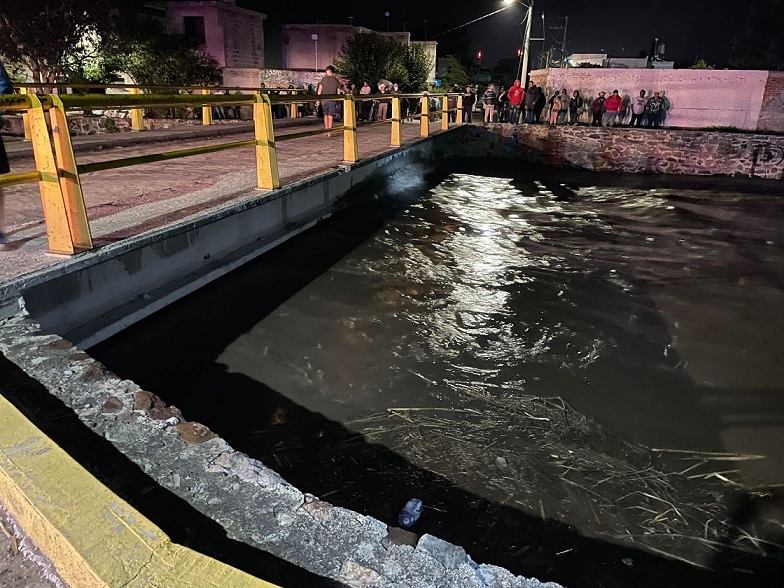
657, 312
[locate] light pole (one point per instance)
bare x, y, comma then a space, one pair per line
527, 40
387, 15
314, 38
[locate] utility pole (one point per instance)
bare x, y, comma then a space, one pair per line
527, 44
563, 40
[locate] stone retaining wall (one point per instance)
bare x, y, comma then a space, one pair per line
634, 150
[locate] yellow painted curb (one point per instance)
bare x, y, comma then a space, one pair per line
93, 537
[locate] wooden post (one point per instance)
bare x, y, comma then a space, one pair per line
26, 117
266, 153
206, 110
424, 120
445, 114
350, 147
137, 114
460, 109
397, 126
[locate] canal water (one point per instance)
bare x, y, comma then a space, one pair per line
475, 336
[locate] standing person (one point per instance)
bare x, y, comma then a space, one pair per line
612, 109
5, 88
529, 101
383, 105
638, 109
329, 85
489, 100
515, 95
564, 107
598, 109
654, 109
468, 104
541, 102
365, 90
503, 106
575, 107
555, 109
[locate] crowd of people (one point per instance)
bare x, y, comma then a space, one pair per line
513, 104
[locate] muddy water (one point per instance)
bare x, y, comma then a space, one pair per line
653, 306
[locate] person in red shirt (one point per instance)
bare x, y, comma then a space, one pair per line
612, 109
515, 95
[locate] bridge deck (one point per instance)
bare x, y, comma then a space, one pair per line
130, 201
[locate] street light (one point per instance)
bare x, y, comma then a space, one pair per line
479, 57
314, 38
527, 41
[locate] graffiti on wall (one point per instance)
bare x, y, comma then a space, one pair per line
766, 154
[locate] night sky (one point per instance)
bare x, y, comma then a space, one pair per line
689, 28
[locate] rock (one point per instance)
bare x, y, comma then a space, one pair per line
193, 433
112, 404
80, 356
356, 576
448, 555
318, 509
164, 414
144, 400
398, 536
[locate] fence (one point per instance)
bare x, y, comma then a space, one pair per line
57, 172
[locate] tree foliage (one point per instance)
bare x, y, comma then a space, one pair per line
42, 34
760, 44
701, 64
369, 57
150, 55
454, 73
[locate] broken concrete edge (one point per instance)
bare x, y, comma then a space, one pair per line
91, 535
250, 501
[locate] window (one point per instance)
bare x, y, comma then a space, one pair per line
193, 27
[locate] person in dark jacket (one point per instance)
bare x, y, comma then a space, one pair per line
597, 109
5, 88
575, 106
654, 110
469, 99
490, 100
529, 102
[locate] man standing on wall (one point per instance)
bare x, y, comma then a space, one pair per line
489, 99
638, 110
515, 95
655, 110
5, 88
612, 109
597, 108
329, 85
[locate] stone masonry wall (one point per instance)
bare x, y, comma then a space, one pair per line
771, 116
634, 151
695, 98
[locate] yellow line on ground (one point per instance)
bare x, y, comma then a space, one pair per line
93, 537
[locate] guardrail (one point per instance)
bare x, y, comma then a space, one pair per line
58, 173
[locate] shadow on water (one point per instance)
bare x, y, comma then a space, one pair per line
174, 355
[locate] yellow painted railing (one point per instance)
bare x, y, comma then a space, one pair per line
58, 173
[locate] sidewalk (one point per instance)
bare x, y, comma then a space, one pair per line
127, 202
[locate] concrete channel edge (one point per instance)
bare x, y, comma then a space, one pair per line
93, 537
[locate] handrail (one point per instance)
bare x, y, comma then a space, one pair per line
58, 173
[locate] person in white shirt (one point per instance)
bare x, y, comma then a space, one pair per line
638, 110
365, 90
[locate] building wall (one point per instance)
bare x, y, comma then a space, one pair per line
234, 36
771, 117
696, 98
301, 52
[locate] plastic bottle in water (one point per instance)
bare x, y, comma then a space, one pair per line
410, 513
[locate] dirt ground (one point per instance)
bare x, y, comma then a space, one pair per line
21, 564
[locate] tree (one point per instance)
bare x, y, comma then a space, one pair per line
760, 45
701, 64
41, 34
150, 55
417, 65
369, 57
454, 73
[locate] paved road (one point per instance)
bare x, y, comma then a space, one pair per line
130, 201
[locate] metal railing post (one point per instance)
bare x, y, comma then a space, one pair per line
266, 153
206, 110
68, 173
445, 113
397, 126
137, 114
26, 118
424, 120
55, 216
350, 147
459, 109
